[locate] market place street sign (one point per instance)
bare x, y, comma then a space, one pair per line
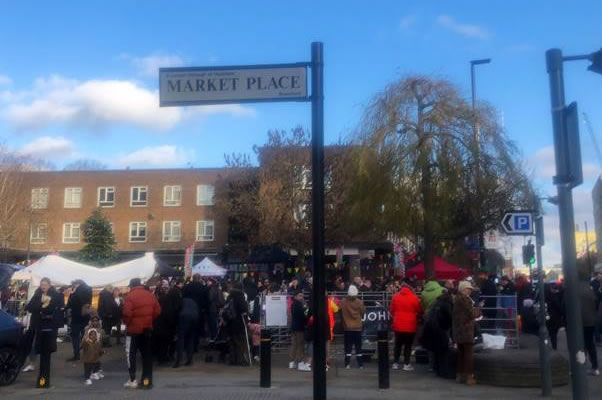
237, 84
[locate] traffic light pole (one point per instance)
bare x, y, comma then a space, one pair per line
562, 180
544, 349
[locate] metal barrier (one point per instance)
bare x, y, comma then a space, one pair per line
501, 319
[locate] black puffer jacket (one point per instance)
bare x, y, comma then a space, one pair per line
239, 304
80, 297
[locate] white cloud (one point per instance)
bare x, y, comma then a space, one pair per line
98, 104
407, 21
149, 66
158, 156
467, 30
543, 162
5, 80
47, 147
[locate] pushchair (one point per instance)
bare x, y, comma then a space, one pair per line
217, 347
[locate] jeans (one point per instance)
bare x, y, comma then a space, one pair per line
90, 368
405, 339
141, 342
353, 339
77, 331
590, 346
186, 334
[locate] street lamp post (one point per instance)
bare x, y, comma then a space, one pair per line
568, 169
477, 139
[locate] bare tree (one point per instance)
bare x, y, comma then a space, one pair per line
12, 167
85, 164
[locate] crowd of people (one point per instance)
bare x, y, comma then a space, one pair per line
168, 322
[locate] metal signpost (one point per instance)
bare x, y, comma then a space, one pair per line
521, 223
270, 83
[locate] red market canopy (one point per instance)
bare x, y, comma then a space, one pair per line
443, 270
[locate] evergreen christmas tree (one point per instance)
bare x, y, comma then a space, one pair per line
99, 239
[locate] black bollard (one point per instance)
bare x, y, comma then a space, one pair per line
383, 359
265, 366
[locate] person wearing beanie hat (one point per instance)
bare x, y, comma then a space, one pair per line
353, 311
463, 321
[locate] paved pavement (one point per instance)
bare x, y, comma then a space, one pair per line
215, 381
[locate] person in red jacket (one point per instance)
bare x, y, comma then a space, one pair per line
405, 308
140, 310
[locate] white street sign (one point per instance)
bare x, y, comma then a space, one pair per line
518, 223
238, 84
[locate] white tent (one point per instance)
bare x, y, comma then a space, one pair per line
208, 268
62, 272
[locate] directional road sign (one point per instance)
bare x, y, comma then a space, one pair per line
518, 223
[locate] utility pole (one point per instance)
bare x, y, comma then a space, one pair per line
477, 139
544, 350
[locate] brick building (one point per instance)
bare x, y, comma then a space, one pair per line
161, 210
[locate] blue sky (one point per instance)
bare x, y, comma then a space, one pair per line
78, 79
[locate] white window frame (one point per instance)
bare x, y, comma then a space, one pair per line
168, 231
39, 198
204, 237
105, 203
203, 201
37, 238
73, 189
135, 239
172, 202
71, 239
138, 201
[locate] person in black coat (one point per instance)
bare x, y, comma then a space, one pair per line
555, 308
235, 318
436, 334
216, 302
489, 293
79, 303
187, 324
109, 312
46, 308
197, 291
164, 328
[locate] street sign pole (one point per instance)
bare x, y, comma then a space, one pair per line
544, 350
563, 183
317, 159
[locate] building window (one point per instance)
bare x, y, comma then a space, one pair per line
204, 195
204, 231
39, 198
71, 232
172, 195
137, 232
171, 231
39, 233
73, 197
139, 196
106, 196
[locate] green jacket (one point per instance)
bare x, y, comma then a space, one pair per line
429, 294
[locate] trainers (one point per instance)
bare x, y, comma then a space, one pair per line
95, 376
304, 367
88, 382
408, 367
100, 374
347, 366
292, 365
29, 367
131, 384
595, 372
395, 366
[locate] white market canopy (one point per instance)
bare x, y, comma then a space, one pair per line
62, 272
208, 268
